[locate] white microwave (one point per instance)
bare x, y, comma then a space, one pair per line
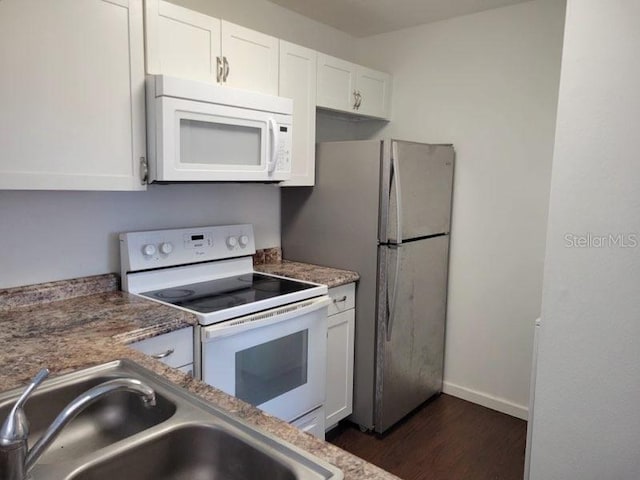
200, 132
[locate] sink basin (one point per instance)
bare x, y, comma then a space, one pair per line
191, 453
182, 437
109, 420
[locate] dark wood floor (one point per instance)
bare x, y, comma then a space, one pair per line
446, 439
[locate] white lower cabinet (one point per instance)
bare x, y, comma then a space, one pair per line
312, 422
188, 369
174, 349
340, 355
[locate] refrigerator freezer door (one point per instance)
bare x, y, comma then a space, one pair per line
421, 182
410, 338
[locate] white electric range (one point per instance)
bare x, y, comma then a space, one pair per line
260, 337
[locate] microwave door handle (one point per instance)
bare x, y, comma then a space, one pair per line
273, 131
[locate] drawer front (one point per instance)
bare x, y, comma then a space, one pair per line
312, 422
342, 298
175, 348
188, 369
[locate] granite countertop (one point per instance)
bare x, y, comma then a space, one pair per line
331, 277
71, 325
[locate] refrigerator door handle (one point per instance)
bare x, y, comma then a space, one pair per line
395, 176
391, 300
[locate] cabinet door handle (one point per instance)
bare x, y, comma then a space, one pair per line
340, 300
164, 354
218, 69
355, 99
359, 100
144, 171
226, 69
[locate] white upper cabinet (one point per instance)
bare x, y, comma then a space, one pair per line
347, 87
336, 83
188, 44
373, 92
181, 42
71, 94
250, 59
298, 81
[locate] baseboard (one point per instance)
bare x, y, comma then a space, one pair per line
486, 400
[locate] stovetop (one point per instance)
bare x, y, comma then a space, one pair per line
220, 294
207, 271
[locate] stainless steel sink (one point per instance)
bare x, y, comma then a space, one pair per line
111, 419
191, 453
183, 437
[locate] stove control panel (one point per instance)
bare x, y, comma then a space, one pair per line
183, 246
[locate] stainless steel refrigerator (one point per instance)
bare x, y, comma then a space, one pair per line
382, 208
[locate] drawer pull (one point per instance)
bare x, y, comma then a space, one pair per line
340, 300
165, 354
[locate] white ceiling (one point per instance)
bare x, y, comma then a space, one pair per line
362, 18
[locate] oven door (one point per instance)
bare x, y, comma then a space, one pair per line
199, 141
275, 360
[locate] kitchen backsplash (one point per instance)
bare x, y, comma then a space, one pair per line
268, 256
58, 290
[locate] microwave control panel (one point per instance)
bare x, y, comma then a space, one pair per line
283, 153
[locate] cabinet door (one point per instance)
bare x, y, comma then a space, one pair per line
71, 94
312, 422
252, 59
181, 42
188, 369
375, 92
298, 81
336, 83
339, 401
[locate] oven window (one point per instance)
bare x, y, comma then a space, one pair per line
213, 143
270, 369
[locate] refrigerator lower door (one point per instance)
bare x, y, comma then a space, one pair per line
420, 182
412, 296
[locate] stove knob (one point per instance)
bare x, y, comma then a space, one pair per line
244, 241
232, 242
166, 248
149, 250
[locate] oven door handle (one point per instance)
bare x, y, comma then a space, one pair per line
263, 319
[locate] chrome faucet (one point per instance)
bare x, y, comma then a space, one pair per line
16, 459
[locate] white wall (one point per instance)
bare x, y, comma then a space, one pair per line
58, 235
47, 236
586, 424
488, 84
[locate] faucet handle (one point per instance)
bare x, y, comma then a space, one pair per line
15, 426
